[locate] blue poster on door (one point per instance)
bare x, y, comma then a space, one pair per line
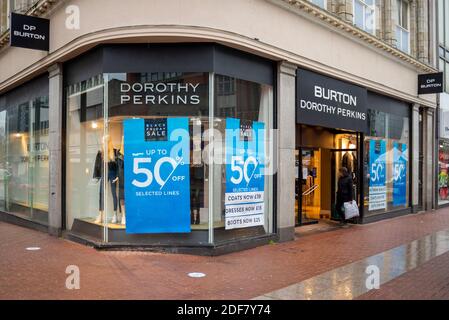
157, 179
245, 157
377, 175
400, 159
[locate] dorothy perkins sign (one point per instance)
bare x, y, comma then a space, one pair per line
327, 102
30, 32
160, 93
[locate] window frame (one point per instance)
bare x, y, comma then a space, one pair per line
324, 7
401, 27
365, 7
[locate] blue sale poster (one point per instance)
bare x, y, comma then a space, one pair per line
377, 175
157, 179
245, 156
399, 173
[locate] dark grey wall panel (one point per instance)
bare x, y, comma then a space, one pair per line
37, 87
179, 57
84, 67
388, 105
158, 58
234, 63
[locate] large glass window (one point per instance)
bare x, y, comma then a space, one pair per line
443, 172
84, 139
243, 183
386, 163
443, 150
140, 157
97, 142
364, 15
24, 170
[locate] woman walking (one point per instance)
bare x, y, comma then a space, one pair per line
344, 192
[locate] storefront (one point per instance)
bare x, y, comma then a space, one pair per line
344, 125
168, 145
24, 155
443, 151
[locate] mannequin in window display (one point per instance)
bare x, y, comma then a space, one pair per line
120, 159
112, 179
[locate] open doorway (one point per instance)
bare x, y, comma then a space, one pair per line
319, 156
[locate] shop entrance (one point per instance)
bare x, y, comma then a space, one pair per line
317, 170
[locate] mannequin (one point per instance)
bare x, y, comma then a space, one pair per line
112, 179
120, 159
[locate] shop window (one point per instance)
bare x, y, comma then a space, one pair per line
24, 170
402, 26
120, 160
97, 163
443, 172
386, 163
364, 15
243, 116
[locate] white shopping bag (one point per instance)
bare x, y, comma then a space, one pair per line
351, 209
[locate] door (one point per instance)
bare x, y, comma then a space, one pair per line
347, 158
308, 172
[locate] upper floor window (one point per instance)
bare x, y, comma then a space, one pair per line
364, 15
320, 3
402, 25
3, 16
22, 6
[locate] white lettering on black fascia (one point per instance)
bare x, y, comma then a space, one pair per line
29, 35
321, 107
161, 87
431, 85
160, 93
337, 96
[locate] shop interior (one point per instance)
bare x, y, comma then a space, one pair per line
320, 153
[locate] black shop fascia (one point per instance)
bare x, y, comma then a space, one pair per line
327, 102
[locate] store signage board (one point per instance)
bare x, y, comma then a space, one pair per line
377, 175
245, 156
400, 160
430, 83
157, 175
331, 103
30, 32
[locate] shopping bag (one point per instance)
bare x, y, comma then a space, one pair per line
351, 209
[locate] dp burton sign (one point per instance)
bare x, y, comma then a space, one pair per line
430, 83
30, 32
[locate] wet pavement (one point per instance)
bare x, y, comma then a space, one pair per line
349, 282
411, 252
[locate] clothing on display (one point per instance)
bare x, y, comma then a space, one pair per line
115, 177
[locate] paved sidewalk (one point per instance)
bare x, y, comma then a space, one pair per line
242, 275
429, 281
